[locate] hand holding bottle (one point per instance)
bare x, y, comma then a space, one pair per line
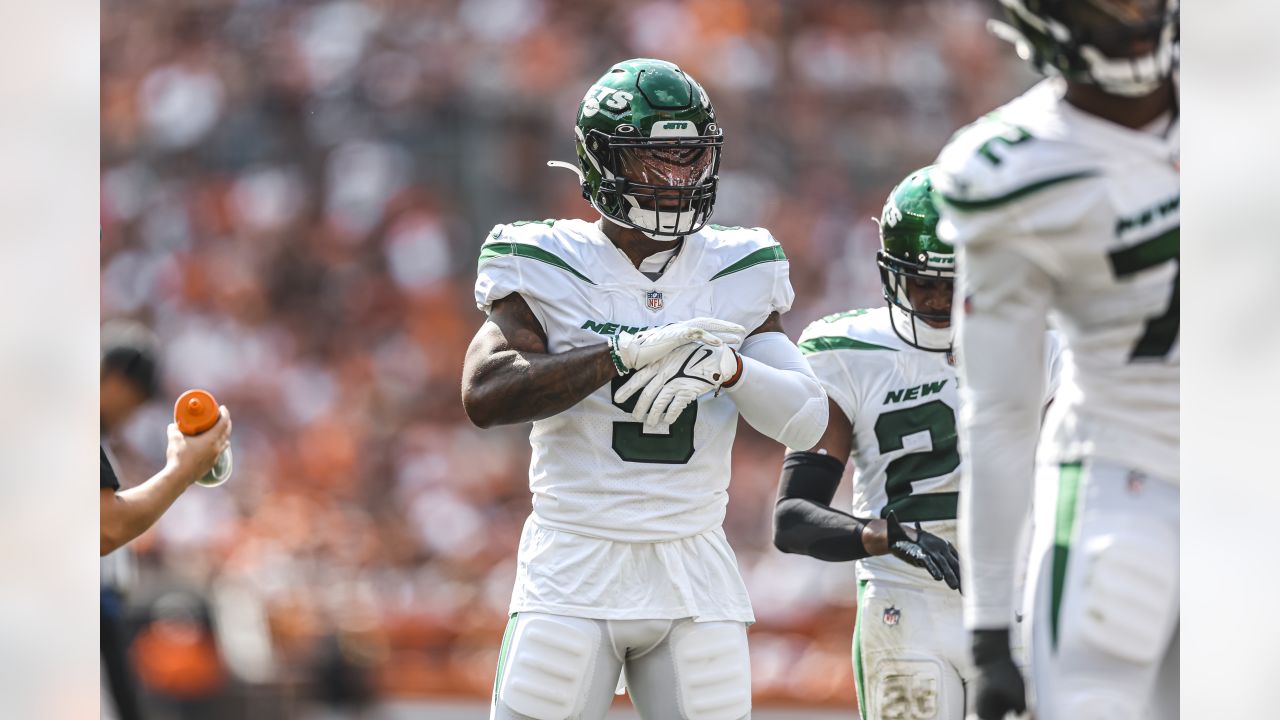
200, 438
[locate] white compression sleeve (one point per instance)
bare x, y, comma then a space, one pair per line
778, 393
1001, 339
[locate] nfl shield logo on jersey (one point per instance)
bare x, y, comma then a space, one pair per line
654, 300
892, 615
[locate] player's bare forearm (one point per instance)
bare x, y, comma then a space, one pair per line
875, 537
126, 514
509, 377
513, 386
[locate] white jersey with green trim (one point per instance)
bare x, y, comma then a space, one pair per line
593, 470
599, 481
902, 402
1094, 206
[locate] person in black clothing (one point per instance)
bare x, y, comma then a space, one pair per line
130, 377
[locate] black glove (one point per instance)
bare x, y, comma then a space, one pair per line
998, 687
927, 551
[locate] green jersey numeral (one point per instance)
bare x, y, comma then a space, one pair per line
1160, 332
939, 420
633, 444
1014, 135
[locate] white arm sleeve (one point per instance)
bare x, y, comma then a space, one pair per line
778, 393
1001, 338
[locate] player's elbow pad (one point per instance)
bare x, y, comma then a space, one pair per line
806, 426
784, 405
778, 394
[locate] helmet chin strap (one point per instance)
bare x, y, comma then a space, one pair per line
661, 238
925, 335
651, 217
646, 233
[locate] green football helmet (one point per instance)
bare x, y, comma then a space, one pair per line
910, 250
648, 149
1125, 47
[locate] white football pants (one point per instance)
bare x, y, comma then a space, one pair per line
1103, 594
910, 652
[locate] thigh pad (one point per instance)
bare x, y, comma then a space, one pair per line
1129, 593
713, 670
548, 665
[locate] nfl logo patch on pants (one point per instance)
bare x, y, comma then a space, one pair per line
892, 615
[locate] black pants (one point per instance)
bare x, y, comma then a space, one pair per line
115, 657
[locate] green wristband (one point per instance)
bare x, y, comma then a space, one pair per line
613, 355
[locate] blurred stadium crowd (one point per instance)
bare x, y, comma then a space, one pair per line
293, 198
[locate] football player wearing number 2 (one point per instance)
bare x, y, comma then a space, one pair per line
891, 379
1065, 202
633, 344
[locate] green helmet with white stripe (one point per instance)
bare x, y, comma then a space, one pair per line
648, 148
911, 251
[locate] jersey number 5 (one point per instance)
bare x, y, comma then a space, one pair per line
892, 428
633, 444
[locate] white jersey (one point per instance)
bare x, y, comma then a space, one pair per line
1095, 207
593, 472
902, 402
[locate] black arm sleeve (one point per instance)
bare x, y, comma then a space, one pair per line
108, 473
803, 520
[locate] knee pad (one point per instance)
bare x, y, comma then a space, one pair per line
547, 666
713, 670
904, 689
1130, 589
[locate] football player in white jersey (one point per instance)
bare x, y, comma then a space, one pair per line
1064, 202
633, 344
891, 380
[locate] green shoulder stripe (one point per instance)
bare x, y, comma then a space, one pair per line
493, 250
1016, 194
773, 253
835, 317
837, 342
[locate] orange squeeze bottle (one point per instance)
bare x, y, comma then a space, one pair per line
195, 412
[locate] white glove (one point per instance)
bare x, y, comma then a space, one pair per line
634, 351
677, 380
